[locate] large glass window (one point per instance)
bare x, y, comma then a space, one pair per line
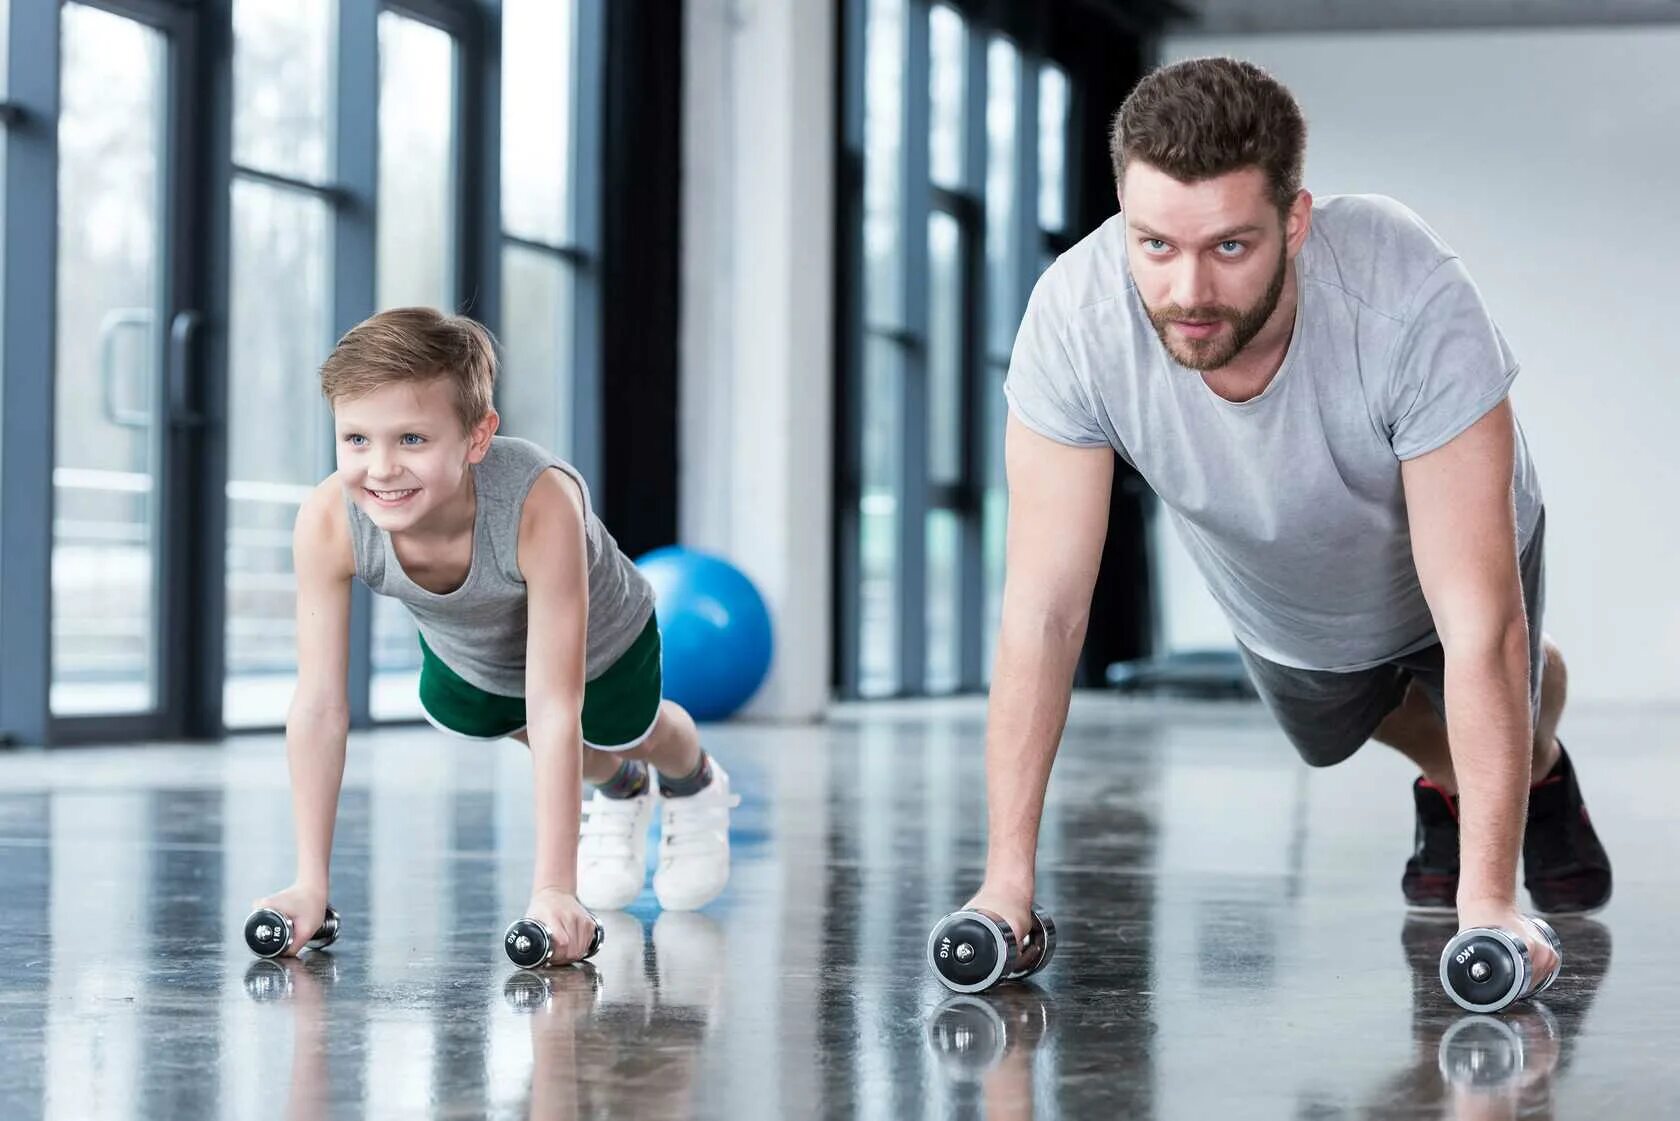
1003, 300
947, 92
947, 436
5, 55
107, 431
282, 87
882, 383
534, 397
537, 42
883, 455
1053, 109
202, 259
417, 165
279, 331
5, 86
883, 139
996, 121
418, 234
540, 254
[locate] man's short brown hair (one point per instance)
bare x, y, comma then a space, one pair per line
1205, 117
414, 345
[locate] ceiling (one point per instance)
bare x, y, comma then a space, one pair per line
1224, 17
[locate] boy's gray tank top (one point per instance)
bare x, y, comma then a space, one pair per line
479, 629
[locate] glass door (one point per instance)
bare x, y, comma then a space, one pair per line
122, 345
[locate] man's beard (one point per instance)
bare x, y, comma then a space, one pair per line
1212, 353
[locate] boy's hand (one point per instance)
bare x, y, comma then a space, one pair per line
305, 906
569, 924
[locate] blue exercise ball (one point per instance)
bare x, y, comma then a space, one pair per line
714, 628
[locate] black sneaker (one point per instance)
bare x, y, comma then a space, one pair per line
1431, 879
1565, 867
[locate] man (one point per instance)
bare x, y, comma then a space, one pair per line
1317, 394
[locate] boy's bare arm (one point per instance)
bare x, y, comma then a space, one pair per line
553, 558
319, 717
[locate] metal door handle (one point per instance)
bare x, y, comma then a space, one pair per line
183, 329
111, 327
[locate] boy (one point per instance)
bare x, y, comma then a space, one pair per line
533, 626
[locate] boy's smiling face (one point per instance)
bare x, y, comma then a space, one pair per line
402, 454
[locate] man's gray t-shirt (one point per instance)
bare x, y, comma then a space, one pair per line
1290, 503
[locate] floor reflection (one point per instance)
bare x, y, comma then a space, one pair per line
1226, 941
987, 1046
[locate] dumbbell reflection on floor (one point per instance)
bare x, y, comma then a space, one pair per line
1485, 969
528, 942
268, 932
972, 1034
529, 992
972, 950
277, 979
1496, 1055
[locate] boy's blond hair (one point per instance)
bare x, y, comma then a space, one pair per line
414, 345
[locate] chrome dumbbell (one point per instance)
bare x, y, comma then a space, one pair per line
972, 950
268, 932
528, 943
1485, 969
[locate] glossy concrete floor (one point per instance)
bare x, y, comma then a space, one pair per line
1233, 940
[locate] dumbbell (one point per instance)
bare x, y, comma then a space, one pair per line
972, 950
972, 1034
1485, 969
268, 932
528, 942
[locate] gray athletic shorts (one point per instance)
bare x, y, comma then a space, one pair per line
1328, 716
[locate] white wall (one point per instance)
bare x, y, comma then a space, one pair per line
757, 331
1550, 160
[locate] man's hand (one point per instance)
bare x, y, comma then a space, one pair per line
305, 905
1012, 906
570, 925
1506, 917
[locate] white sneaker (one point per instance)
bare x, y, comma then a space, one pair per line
612, 849
694, 845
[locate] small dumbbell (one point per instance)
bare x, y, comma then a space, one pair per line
268, 932
1485, 969
972, 950
528, 943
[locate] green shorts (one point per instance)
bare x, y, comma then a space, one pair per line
619, 707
